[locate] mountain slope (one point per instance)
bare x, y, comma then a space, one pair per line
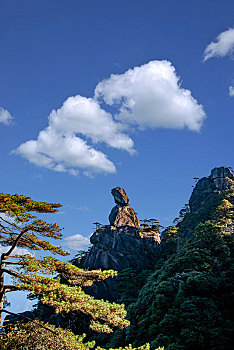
187, 302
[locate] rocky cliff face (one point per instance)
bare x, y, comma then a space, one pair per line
206, 197
120, 245
220, 180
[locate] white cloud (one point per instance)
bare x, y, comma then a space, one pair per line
231, 91
63, 153
76, 242
81, 115
59, 148
150, 96
5, 116
223, 46
17, 251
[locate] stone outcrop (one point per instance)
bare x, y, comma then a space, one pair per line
221, 179
206, 197
120, 196
121, 245
122, 214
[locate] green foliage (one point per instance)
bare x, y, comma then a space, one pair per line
40, 336
129, 283
186, 304
151, 226
37, 335
168, 242
224, 214
20, 206
129, 347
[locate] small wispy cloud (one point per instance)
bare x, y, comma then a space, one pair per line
231, 91
223, 46
72, 207
82, 208
5, 116
76, 242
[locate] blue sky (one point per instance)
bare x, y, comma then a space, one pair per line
164, 117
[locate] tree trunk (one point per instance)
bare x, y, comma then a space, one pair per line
2, 289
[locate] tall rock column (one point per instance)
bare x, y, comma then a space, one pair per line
121, 244
122, 214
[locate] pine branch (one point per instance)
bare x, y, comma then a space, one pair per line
15, 274
10, 288
16, 241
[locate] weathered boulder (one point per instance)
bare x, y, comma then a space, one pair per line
123, 216
120, 196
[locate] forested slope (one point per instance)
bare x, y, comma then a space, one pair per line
187, 301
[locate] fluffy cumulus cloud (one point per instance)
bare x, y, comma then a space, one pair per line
5, 116
223, 46
76, 242
64, 153
59, 147
81, 115
149, 96
231, 91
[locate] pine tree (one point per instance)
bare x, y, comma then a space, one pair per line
20, 228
